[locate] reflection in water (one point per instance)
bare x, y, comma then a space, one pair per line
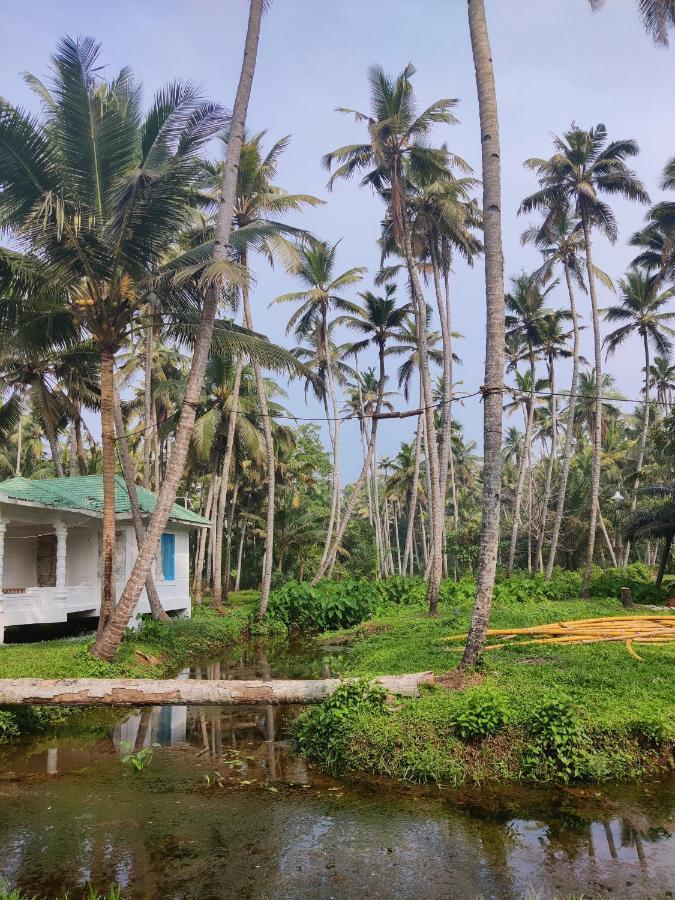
226, 809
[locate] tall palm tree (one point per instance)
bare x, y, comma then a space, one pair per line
397, 135
95, 193
553, 343
584, 167
494, 330
662, 378
378, 319
641, 311
561, 242
658, 17
320, 296
109, 640
526, 312
657, 238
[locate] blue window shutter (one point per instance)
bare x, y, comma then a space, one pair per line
169, 556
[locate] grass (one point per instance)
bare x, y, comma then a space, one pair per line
157, 650
588, 711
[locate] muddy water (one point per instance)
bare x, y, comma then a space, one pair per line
227, 809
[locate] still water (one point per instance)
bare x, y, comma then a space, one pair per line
227, 809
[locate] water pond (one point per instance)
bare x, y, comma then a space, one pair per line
226, 809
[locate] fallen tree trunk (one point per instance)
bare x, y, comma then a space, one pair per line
178, 692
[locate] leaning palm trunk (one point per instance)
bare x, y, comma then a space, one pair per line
608, 542
569, 431
597, 424
549, 469
523, 469
108, 451
156, 609
641, 446
494, 355
222, 499
109, 639
363, 474
412, 506
270, 473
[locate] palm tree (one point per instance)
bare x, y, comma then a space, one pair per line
658, 17
584, 167
657, 238
526, 313
494, 330
396, 145
662, 379
641, 311
553, 343
109, 640
560, 241
321, 295
378, 319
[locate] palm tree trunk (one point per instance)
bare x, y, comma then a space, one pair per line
212, 534
435, 502
363, 474
228, 542
398, 537
494, 333
222, 499
107, 642
156, 609
665, 556
72, 450
108, 452
608, 542
523, 468
19, 436
334, 432
569, 431
551, 462
147, 399
48, 425
81, 461
240, 555
412, 506
446, 409
201, 547
597, 425
642, 444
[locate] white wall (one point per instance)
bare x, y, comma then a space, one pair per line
79, 556
20, 569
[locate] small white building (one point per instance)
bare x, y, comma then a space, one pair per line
50, 549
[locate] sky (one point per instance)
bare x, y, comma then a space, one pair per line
555, 62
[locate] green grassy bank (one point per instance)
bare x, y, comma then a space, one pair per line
157, 650
536, 712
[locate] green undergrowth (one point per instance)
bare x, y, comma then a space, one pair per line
588, 712
113, 893
155, 650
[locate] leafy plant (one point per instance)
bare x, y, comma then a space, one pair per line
327, 606
8, 726
137, 760
557, 740
482, 714
323, 732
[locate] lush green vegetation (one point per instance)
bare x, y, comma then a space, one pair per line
556, 712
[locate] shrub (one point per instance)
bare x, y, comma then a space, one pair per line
8, 726
556, 742
323, 732
481, 714
636, 576
400, 591
327, 606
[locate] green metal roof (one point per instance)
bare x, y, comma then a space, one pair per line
85, 493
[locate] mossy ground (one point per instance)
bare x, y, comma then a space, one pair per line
623, 708
157, 650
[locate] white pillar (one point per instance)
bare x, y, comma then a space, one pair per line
61, 530
3, 528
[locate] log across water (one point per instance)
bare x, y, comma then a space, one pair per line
178, 692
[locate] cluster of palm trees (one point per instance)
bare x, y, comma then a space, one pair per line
128, 291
